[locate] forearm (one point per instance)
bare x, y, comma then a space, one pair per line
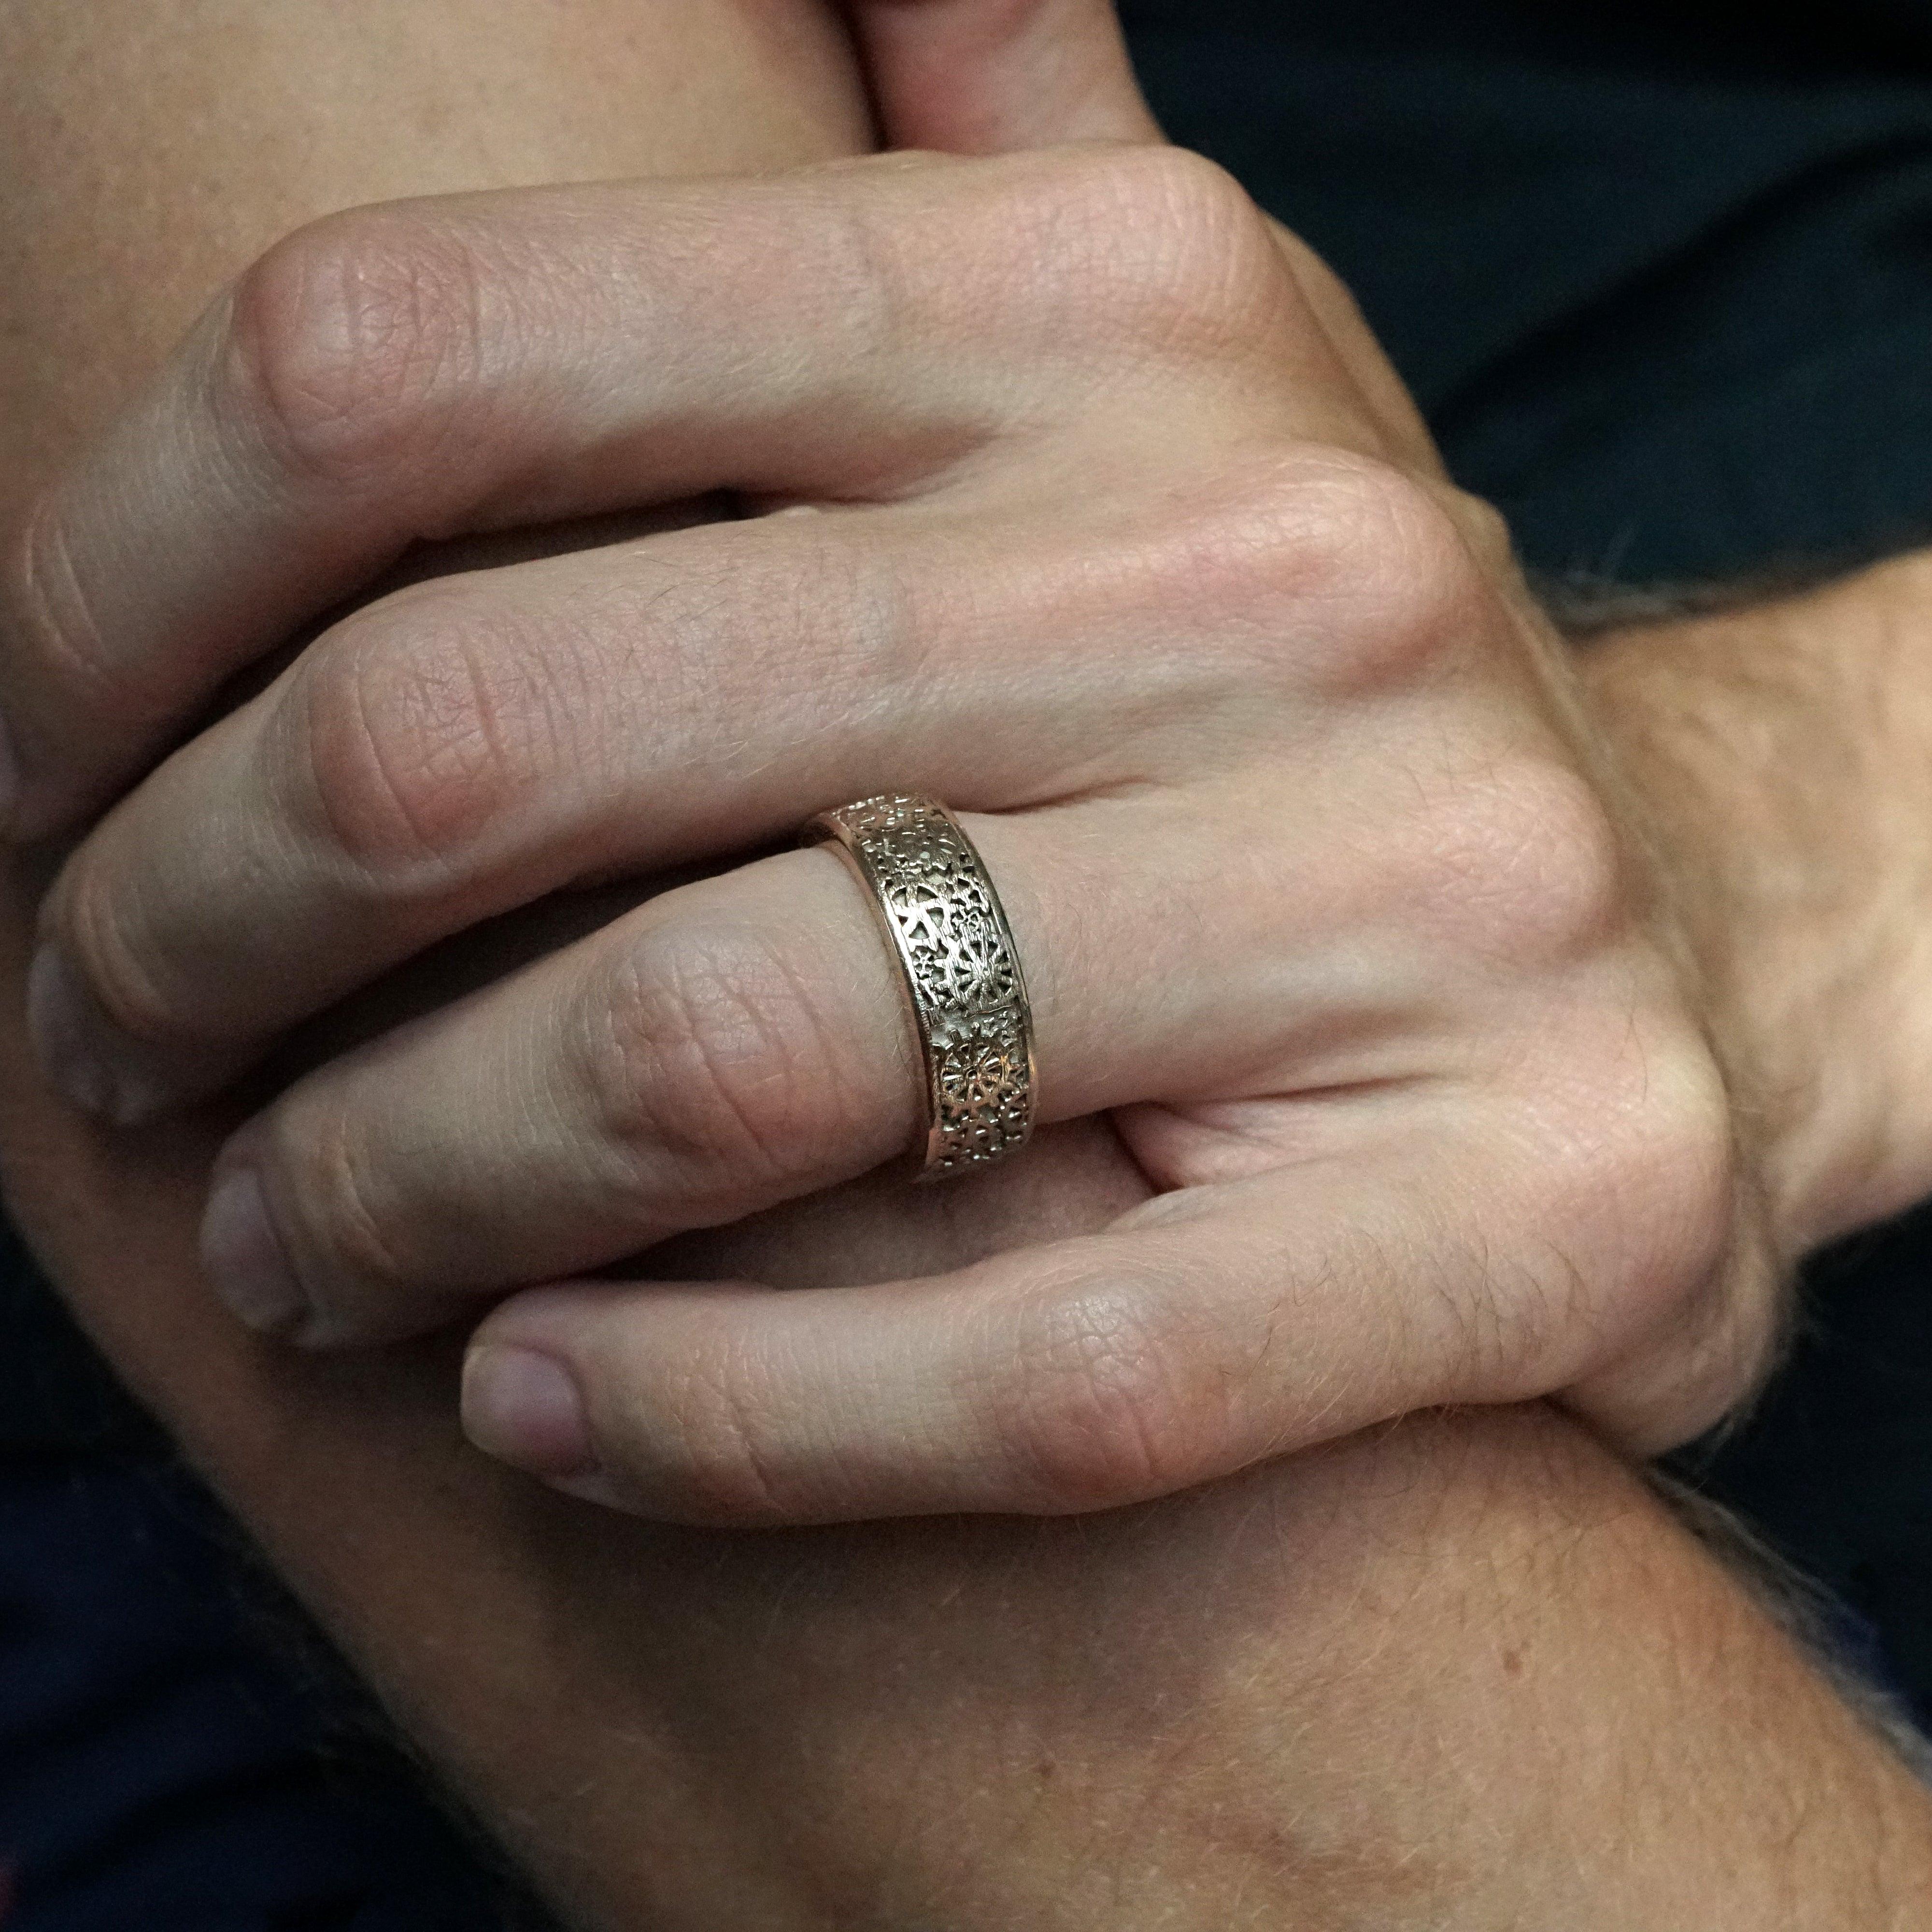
1466, 1673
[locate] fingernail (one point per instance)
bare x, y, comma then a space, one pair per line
243, 1256
85, 1055
525, 1408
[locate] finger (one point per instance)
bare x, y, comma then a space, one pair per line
475, 363
729, 1045
440, 758
978, 76
1212, 1330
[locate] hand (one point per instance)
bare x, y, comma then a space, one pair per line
1119, 550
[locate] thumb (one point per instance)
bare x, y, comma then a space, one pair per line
978, 76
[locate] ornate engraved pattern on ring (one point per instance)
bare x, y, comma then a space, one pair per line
962, 975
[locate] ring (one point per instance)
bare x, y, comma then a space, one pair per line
961, 974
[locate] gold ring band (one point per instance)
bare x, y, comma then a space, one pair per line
961, 972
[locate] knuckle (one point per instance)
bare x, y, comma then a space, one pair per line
1179, 212
1165, 250
704, 1055
46, 615
1676, 1162
1337, 571
1387, 561
1104, 1406
1637, 1178
1166, 189
347, 341
1522, 864
111, 964
351, 1236
418, 735
1484, 530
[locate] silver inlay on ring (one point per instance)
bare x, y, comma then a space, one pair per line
961, 972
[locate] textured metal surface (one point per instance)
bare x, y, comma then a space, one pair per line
962, 974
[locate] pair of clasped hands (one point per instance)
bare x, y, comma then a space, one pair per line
1074, 494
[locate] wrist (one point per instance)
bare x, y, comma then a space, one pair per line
1779, 754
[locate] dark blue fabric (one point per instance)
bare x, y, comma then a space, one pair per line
176, 1753
161, 1765
1661, 281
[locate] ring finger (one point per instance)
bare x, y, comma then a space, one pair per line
730, 1044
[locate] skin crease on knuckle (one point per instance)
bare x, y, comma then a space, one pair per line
1101, 1404
696, 1073
342, 341
1080, 274
358, 1249
1514, 862
397, 766
708, 1066
96, 927
46, 620
683, 1432
456, 745
425, 735
699, 1421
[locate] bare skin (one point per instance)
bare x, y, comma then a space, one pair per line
1799, 724
1463, 1672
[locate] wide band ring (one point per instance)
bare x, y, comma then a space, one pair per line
961, 971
